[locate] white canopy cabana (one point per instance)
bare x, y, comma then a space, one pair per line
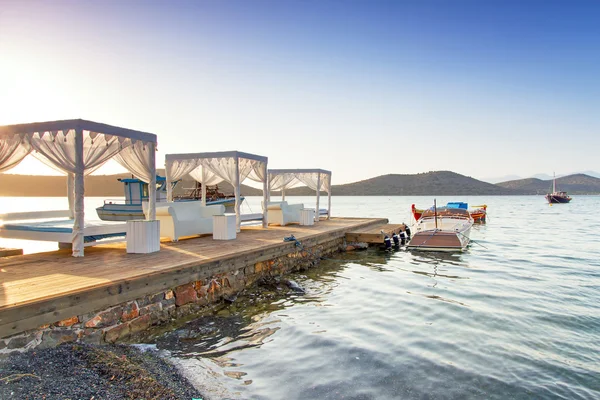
211, 168
78, 147
316, 179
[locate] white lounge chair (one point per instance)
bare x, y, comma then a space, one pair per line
282, 213
186, 218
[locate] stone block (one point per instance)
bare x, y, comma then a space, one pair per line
18, 342
151, 308
130, 311
116, 332
67, 322
198, 284
202, 291
91, 336
169, 294
55, 337
105, 318
260, 267
168, 302
25, 341
185, 294
155, 298
140, 324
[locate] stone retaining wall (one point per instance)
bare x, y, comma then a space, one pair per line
123, 320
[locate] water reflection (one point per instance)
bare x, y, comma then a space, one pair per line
440, 298
503, 322
215, 336
436, 257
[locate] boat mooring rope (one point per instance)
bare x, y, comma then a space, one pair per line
471, 240
300, 246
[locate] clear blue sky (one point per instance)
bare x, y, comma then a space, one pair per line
363, 88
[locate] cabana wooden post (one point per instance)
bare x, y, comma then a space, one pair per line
316, 179
78, 147
211, 168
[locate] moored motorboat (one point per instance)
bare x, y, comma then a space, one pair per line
442, 229
478, 213
557, 197
136, 193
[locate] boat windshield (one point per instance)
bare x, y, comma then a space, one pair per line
446, 212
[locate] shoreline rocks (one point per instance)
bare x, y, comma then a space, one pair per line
83, 371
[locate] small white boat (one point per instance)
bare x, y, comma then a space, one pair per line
136, 192
442, 229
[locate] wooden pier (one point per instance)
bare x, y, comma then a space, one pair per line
43, 288
374, 234
7, 252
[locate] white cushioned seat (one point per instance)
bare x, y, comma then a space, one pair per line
186, 218
282, 213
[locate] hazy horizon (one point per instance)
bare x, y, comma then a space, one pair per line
491, 180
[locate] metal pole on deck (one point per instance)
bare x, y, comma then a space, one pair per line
318, 196
152, 183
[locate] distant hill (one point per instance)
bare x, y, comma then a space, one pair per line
541, 176
440, 183
591, 173
437, 183
572, 184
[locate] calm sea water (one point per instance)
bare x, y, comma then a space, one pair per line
515, 316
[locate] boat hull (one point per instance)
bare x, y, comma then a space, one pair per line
556, 199
126, 212
442, 230
439, 241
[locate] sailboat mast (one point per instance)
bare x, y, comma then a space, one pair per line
554, 183
435, 213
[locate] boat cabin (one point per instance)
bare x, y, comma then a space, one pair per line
458, 204
136, 191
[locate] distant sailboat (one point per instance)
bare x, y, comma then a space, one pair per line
557, 197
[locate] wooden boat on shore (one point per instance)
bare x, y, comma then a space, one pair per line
442, 229
136, 192
478, 213
557, 197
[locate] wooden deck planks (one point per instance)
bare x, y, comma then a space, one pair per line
56, 285
6, 252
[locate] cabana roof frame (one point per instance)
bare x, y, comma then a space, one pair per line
77, 147
300, 170
215, 154
201, 169
77, 125
295, 180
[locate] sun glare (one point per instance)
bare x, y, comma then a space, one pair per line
30, 90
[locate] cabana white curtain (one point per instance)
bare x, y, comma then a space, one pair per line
136, 159
12, 151
205, 176
316, 179
211, 168
69, 147
58, 150
281, 182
